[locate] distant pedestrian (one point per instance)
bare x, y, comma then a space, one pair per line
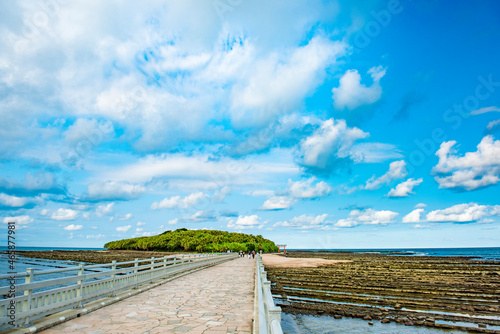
249, 254
253, 254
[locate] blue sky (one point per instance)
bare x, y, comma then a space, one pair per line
318, 124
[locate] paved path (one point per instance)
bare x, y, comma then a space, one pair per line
218, 299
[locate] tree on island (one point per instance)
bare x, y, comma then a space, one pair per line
196, 241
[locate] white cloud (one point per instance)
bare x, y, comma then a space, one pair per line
306, 189
102, 210
113, 190
305, 222
21, 221
374, 152
493, 124
73, 227
278, 203
123, 229
200, 216
140, 224
351, 93
14, 201
367, 217
330, 145
179, 202
173, 221
397, 170
281, 81
256, 193
201, 171
126, 216
139, 229
64, 214
420, 205
484, 110
404, 189
414, 216
90, 131
44, 212
463, 213
247, 222
471, 171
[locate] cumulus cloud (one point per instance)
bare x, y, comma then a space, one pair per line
463, 213
272, 86
306, 189
329, 147
367, 217
305, 222
123, 229
73, 227
114, 190
88, 130
404, 189
102, 210
473, 170
181, 202
278, 203
351, 93
414, 216
397, 170
247, 222
21, 221
64, 214
17, 202
33, 185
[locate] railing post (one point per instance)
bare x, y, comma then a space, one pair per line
175, 260
113, 275
27, 304
165, 262
79, 283
136, 278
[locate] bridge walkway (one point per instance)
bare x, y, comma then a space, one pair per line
219, 299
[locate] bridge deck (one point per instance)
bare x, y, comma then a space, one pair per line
218, 299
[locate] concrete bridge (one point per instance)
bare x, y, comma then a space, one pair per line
227, 295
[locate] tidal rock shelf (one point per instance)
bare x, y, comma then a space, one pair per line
445, 292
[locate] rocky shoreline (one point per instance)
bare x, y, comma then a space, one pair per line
443, 292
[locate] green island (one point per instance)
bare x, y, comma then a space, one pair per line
195, 241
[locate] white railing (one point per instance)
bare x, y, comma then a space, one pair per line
88, 283
267, 316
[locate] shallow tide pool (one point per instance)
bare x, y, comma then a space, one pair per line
305, 324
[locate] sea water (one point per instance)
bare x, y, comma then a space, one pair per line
323, 324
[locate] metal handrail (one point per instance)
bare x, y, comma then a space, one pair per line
267, 315
81, 288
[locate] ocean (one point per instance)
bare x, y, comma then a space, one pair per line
477, 253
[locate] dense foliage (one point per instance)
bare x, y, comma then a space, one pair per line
196, 240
